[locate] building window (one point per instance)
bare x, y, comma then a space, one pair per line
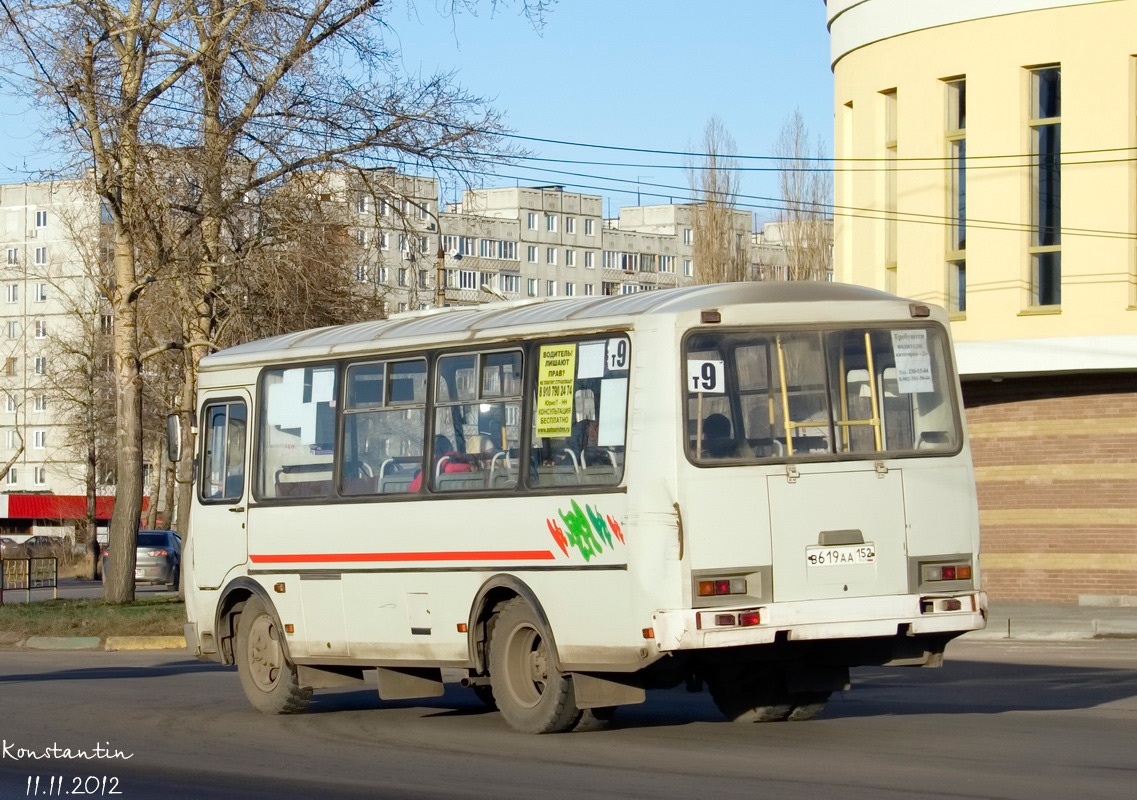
570, 224
41, 256
39, 440
687, 236
10, 400
570, 258
1046, 186
589, 262
12, 477
589, 230
667, 263
39, 403
688, 268
402, 276
588, 289
13, 293
360, 273
40, 365
106, 324
511, 283
381, 275
424, 277
531, 287
10, 371
551, 288
468, 279
570, 289
13, 329
551, 223
890, 177
956, 134
41, 219
550, 255
13, 255
498, 248
40, 293
424, 244
531, 220
41, 328
40, 476
384, 241
532, 254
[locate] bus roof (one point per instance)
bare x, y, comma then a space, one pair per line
565, 313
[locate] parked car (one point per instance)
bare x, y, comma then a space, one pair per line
44, 547
158, 558
10, 548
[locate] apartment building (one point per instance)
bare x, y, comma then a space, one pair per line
49, 235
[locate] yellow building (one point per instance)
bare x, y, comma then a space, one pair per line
987, 161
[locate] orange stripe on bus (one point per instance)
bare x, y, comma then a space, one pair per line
477, 555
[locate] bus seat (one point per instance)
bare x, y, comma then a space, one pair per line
395, 484
459, 481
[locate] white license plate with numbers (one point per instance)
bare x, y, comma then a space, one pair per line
840, 555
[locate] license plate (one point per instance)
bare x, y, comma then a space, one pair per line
840, 556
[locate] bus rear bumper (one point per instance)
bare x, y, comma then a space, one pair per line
811, 620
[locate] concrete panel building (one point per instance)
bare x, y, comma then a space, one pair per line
995, 174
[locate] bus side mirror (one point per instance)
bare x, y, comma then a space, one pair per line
174, 437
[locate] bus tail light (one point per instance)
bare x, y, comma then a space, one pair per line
946, 572
748, 618
722, 586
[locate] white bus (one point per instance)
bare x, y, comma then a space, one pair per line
753, 486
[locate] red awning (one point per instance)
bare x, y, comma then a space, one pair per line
59, 506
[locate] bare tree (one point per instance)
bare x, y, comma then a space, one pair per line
805, 221
250, 94
720, 230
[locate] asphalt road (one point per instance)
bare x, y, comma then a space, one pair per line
1007, 720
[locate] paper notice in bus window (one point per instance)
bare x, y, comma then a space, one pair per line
590, 360
556, 372
613, 411
913, 361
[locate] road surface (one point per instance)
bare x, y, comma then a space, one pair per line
1014, 720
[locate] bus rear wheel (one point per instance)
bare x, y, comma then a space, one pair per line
750, 693
267, 676
530, 693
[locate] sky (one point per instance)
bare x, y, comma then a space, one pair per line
644, 74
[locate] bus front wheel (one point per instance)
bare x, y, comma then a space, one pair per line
530, 693
267, 676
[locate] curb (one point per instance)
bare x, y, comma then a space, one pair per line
110, 644
145, 643
1026, 636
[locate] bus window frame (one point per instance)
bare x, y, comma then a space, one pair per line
529, 349
951, 375
199, 464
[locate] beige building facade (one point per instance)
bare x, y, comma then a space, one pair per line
986, 162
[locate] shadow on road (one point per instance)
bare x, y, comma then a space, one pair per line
116, 672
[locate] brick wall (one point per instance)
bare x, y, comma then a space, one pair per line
1056, 470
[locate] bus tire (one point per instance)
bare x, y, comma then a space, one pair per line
531, 695
808, 705
748, 693
267, 676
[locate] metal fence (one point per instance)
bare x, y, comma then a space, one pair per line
27, 574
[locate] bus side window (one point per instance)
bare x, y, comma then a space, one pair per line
579, 418
223, 473
384, 426
297, 432
477, 422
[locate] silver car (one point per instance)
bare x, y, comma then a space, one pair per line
158, 558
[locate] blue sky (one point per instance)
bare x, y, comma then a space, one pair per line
628, 73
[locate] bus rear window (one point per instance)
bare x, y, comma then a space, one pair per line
769, 395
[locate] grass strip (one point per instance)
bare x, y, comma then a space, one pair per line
152, 616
